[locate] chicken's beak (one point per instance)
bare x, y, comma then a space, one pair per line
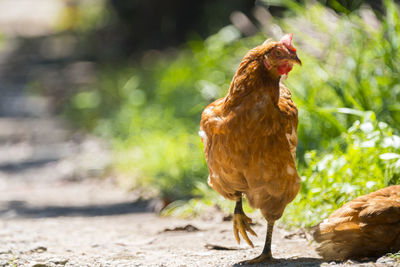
296, 60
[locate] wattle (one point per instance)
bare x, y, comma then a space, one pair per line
285, 68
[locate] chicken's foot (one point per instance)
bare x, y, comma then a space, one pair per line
266, 253
241, 223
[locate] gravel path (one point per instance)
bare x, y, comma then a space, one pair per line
91, 223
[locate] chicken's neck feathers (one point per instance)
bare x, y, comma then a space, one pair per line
253, 79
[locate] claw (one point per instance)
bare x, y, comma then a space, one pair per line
241, 223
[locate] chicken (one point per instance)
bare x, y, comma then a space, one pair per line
367, 226
250, 139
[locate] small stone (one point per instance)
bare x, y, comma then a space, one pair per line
59, 261
39, 249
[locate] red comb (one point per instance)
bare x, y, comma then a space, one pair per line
287, 41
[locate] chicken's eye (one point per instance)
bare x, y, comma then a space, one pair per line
278, 53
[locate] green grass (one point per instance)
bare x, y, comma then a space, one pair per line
347, 91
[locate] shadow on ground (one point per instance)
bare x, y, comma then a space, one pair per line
281, 262
21, 209
22, 166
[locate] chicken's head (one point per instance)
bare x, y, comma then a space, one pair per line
281, 56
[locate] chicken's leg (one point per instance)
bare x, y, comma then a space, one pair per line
241, 223
266, 253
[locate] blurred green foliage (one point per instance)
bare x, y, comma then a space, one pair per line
150, 112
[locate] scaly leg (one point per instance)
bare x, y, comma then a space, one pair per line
241, 223
266, 253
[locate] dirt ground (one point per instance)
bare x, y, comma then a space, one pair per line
72, 224
92, 223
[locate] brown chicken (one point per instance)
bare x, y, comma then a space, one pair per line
367, 226
250, 139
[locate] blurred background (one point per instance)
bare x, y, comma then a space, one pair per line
116, 88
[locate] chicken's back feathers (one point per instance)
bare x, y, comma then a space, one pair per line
367, 226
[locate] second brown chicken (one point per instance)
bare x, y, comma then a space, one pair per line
368, 226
